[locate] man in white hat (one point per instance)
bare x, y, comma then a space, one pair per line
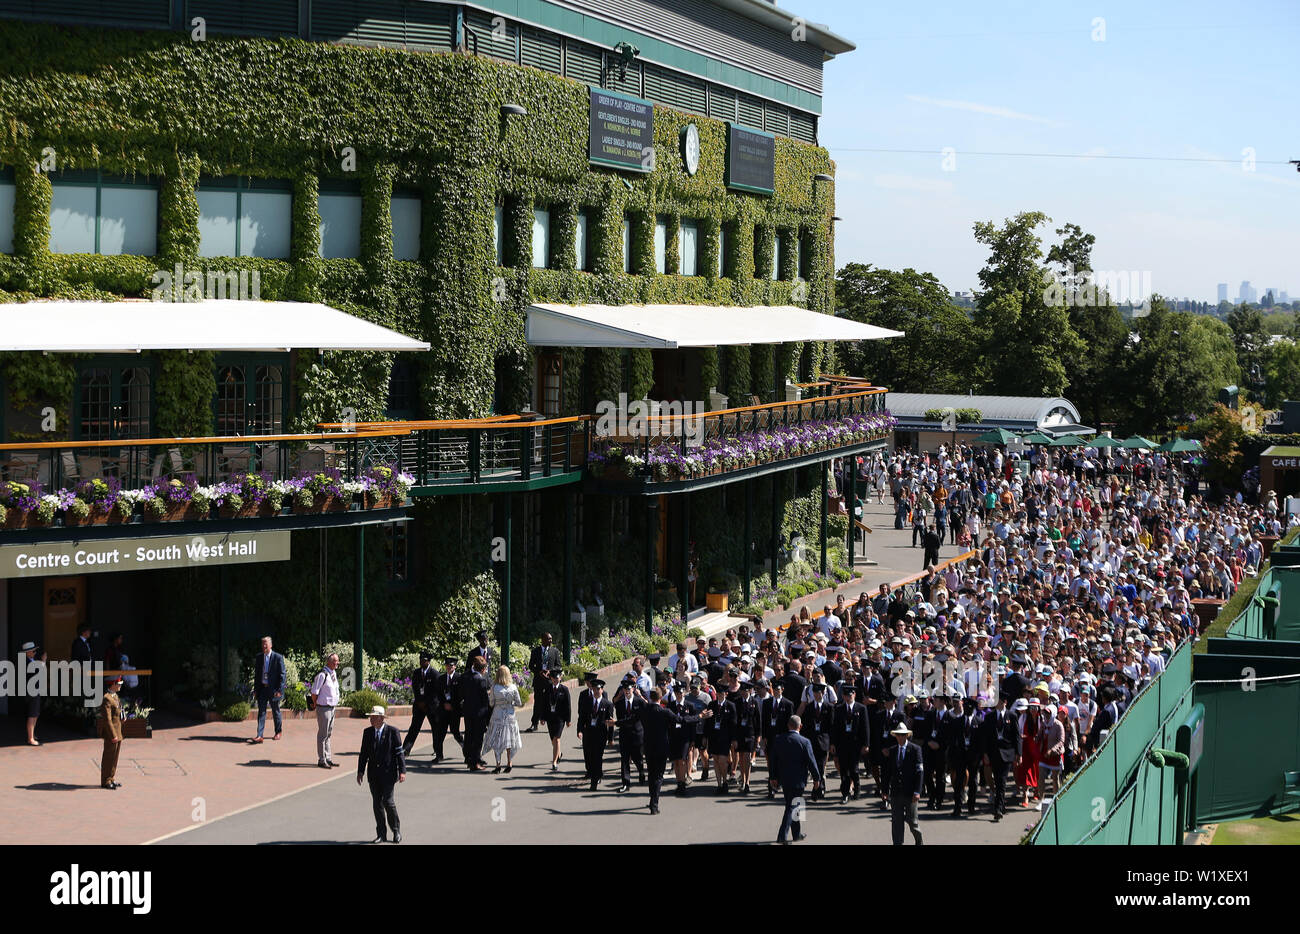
905, 776
383, 762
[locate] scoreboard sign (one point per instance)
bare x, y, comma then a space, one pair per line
751, 160
620, 131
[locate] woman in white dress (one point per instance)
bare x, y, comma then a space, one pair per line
503, 728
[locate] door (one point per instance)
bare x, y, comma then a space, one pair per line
65, 611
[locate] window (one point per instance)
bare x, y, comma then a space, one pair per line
405, 212
661, 245
340, 221
803, 257
245, 217
724, 239
498, 233
627, 244
581, 243
94, 213
550, 384
114, 402
402, 395
6, 211
250, 399
395, 552
776, 255
688, 247
541, 238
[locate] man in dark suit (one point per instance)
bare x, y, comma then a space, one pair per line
383, 764
631, 736
268, 686
965, 754
474, 706
1107, 716
447, 694
81, 651
557, 714
594, 725
777, 711
790, 761
818, 722
482, 650
424, 702
906, 775
657, 722
545, 657
849, 741
1014, 685
931, 541
1002, 747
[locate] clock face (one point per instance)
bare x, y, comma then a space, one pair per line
691, 148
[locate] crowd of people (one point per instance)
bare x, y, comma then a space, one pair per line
1003, 671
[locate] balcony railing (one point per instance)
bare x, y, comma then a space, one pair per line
674, 448
125, 480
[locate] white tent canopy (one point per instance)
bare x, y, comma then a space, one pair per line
216, 324
668, 326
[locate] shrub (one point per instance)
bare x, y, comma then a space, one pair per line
295, 696
365, 699
236, 712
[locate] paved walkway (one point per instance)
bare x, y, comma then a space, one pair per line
202, 783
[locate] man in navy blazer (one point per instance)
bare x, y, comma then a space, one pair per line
790, 761
268, 687
383, 762
906, 777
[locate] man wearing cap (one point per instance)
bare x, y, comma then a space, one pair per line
903, 766
849, 738
556, 712
631, 736
658, 722
594, 725
1002, 745
720, 736
110, 729
544, 658
790, 762
423, 702
777, 711
818, 722
748, 717
965, 754
447, 691
383, 764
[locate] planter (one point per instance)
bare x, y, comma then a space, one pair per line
137, 728
99, 517
17, 519
324, 504
377, 500
716, 602
248, 511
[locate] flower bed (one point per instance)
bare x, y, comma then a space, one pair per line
666, 461
103, 501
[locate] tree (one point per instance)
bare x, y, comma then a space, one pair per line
1024, 342
935, 349
1221, 446
1251, 342
1282, 380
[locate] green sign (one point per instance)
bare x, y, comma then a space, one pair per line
620, 131
221, 549
751, 160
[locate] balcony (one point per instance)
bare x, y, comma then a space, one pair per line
671, 453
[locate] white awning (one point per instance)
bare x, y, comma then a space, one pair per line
669, 326
216, 324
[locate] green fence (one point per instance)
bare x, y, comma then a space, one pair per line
1119, 797
1274, 610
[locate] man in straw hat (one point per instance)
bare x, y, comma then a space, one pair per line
906, 775
383, 762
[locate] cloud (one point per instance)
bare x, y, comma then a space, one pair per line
912, 183
990, 110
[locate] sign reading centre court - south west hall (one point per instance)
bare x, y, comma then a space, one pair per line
143, 554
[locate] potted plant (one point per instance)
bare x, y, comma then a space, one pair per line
135, 721
716, 597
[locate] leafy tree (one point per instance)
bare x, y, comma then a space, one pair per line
1251, 343
1221, 445
1282, 373
1025, 343
935, 350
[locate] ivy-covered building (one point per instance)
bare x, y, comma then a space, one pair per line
462, 174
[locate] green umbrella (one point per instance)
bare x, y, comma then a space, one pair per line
1067, 441
1105, 441
1036, 437
995, 436
1181, 445
1137, 441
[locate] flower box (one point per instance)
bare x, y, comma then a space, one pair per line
324, 504
176, 512
248, 511
137, 728
20, 519
377, 500
99, 517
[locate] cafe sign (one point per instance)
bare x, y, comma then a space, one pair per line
620, 131
221, 549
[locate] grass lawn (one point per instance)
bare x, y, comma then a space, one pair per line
1265, 831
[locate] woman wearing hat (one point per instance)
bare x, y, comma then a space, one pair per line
35, 659
503, 729
1030, 745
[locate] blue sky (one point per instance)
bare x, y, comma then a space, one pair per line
1181, 80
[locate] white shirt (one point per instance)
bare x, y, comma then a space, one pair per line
326, 688
692, 665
